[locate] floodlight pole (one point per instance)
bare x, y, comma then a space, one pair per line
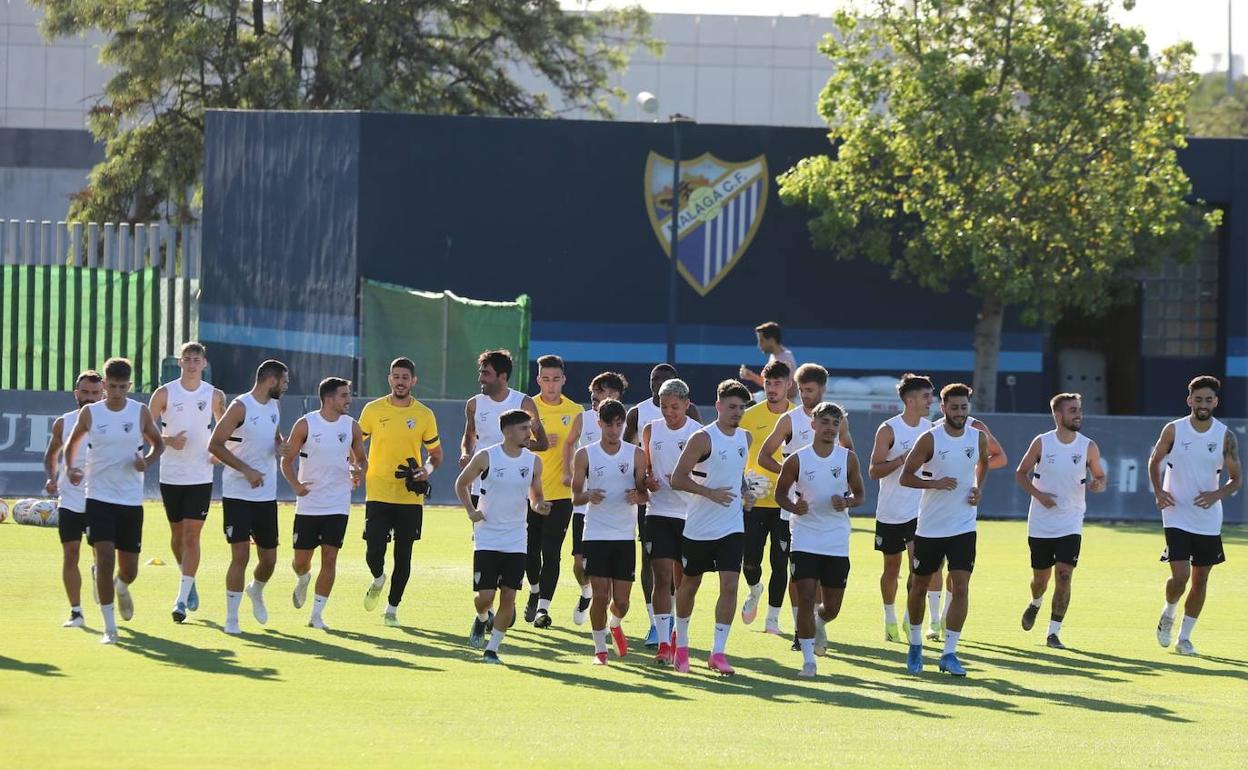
673, 251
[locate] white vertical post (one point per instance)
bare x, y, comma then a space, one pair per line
107, 262
75, 244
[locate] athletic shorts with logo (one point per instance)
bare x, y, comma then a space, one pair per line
831, 571
614, 559
957, 550
665, 537
1047, 551
893, 538
402, 521
254, 520
497, 569
1200, 550
186, 501
722, 555
71, 525
121, 525
311, 531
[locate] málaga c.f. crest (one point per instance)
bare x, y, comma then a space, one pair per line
720, 207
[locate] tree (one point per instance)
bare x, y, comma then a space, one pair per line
177, 58
1213, 112
1024, 149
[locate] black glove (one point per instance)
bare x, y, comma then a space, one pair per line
407, 472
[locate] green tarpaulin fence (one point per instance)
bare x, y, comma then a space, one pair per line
56, 321
442, 333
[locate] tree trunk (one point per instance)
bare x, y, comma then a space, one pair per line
987, 352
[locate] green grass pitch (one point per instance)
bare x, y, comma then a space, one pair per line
365, 695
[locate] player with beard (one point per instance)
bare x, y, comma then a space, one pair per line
1054, 473
72, 505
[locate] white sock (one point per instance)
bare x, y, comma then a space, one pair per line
682, 631
260, 584
951, 641
773, 614
721, 637
600, 640
819, 615
391, 609
1036, 602
110, 621
916, 633
76, 608
379, 581
905, 616
663, 624
543, 605
121, 586
534, 588
649, 613
483, 616
232, 600
1169, 610
1185, 630
890, 614
318, 605
496, 638
1055, 627
933, 606
184, 588
587, 592
613, 620
808, 650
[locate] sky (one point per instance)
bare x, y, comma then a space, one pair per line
1203, 22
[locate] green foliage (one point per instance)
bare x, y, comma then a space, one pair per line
1023, 148
1213, 112
175, 58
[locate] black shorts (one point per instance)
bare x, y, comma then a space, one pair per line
311, 531
893, 538
402, 520
496, 569
615, 559
641, 527
722, 555
1047, 551
186, 501
578, 533
1200, 550
121, 525
71, 525
830, 571
958, 550
664, 535
254, 520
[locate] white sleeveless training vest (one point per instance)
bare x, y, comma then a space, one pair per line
506, 506
945, 513
324, 462
822, 530
897, 504
115, 438
614, 518
591, 432
486, 412
72, 498
1194, 465
189, 411
723, 467
254, 443
1063, 473
666, 446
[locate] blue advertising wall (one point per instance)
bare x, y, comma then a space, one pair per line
300, 206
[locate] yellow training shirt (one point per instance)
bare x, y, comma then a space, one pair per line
395, 433
557, 421
759, 422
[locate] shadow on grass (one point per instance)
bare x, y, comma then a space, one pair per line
204, 659
334, 653
41, 669
1105, 662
